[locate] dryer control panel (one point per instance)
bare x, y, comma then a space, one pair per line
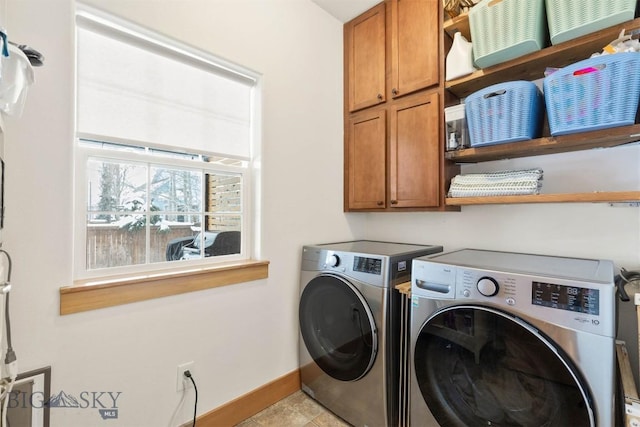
370, 269
577, 304
381, 264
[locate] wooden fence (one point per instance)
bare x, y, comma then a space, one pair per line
112, 246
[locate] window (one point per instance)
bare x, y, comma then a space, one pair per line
164, 138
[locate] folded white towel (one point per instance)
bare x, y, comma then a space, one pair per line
503, 183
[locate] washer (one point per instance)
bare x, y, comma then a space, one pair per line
506, 339
350, 327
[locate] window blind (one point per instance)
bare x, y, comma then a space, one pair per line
135, 90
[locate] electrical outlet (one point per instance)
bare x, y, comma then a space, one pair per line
183, 382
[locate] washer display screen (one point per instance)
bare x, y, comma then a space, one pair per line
571, 298
367, 265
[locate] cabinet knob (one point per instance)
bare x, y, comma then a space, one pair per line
379, 97
394, 91
394, 202
380, 203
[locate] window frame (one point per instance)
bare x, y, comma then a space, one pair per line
115, 278
84, 153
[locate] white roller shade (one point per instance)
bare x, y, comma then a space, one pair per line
133, 90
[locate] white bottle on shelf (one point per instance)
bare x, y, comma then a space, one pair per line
459, 61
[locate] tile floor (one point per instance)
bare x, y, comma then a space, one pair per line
296, 410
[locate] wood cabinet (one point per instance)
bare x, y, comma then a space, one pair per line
408, 29
531, 67
394, 153
414, 45
414, 151
407, 169
365, 160
365, 58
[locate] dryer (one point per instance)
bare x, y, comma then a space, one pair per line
349, 318
508, 339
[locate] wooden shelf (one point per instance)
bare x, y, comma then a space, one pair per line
548, 145
596, 197
458, 24
532, 66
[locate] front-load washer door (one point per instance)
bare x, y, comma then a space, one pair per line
476, 366
338, 327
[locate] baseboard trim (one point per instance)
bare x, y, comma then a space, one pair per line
243, 407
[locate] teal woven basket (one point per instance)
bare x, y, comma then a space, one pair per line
596, 93
502, 30
569, 19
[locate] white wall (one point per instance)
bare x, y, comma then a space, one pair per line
592, 230
241, 336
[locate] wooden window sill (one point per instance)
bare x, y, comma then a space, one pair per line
107, 293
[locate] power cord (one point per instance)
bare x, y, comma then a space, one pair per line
622, 279
195, 406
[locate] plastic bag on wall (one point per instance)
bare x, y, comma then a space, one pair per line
17, 76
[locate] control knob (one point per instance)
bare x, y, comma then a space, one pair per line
487, 286
333, 260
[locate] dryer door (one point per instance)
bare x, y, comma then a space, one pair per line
479, 366
337, 327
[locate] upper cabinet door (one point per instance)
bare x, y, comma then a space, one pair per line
415, 56
414, 153
365, 46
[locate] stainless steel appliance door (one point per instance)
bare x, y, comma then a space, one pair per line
476, 365
337, 327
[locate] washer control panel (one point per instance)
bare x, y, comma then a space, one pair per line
588, 306
483, 285
333, 260
571, 298
487, 286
